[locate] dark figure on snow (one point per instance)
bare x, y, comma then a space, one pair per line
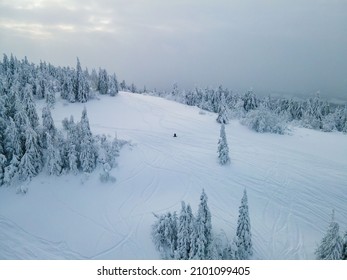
175, 135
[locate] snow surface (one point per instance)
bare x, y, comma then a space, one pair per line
293, 182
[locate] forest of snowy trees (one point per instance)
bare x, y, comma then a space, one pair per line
28, 145
187, 237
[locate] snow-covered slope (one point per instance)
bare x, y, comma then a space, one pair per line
293, 182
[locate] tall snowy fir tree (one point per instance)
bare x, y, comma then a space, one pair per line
331, 245
113, 85
72, 145
31, 162
202, 245
222, 107
223, 149
12, 141
48, 125
81, 85
88, 152
243, 232
54, 163
29, 106
185, 227
103, 82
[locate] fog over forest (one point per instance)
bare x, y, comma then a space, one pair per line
278, 47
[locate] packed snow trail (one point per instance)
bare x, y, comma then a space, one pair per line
293, 181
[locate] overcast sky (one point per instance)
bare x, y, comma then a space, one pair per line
293, 46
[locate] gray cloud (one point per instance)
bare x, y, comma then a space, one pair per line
287, 46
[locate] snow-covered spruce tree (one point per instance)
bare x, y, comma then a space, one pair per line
88, 152
123, 85
48, 125
54, 164
81, 86
344, 249
12, 141
50, 99
31, 162
185, 221
113, 152
250, 101
223, 116
223, 149
108, 151
106, 158
94, 79
84, 93
29, 106
202, 244
68, 86
113, 85
331, 245
222, 107
243, 232
133, 88
164, 235
103, 82
72, 145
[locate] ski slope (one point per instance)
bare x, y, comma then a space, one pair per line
293, 183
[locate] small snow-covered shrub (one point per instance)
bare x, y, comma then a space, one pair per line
105, 174
329, 123
263, 120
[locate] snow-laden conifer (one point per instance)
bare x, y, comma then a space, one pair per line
203, 231
103, 82
164, 235
11, 170
185, 221
47, 121
331, 246
72, 158
54, 162
47, 125
243, 232
113, 85
31, 162
223, 149
81, 86
12, 141
87, 155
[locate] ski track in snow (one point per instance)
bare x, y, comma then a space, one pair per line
293, 182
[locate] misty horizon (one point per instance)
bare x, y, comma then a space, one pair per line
294, 48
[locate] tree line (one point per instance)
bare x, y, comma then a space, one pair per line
268, 114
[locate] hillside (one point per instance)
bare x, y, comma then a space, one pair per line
293, 182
